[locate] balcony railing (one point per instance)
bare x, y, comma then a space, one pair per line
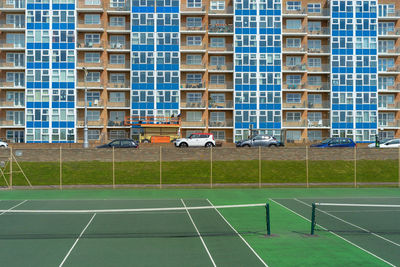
227, 10
200, 65
185, 123
5, 103
385, 32
395, 87
220, 28
322, 49
386, 50
82, 4
323, 104
82, 25
201, 85
299, 67
227, 66
90, 103
82, 63
185, 104
81, 83
301, 48
226, 85
5, 64
125, 65
294, 86
87, 44
118, 46
319, 31
186, 27
216, 124
386, 123
290, 123
12, 45
217, 104
81, 122
299, 11
119, 28
389, 106
4, 83
389, 69
324, 86
118, 85
321, 12
301, 30
319, 123
124, 7
122, 104
11, 123
185, 9
115, 123
322, 67
5, 25
302, 104
395, 13
227, 47
15, 4
186, 46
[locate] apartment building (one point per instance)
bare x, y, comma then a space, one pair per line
305, 69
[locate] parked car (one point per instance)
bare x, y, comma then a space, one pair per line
260, 140
388, 143
372, 145
120, 143
196, 139
3, 144
336, 142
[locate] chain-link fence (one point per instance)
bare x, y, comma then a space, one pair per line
163, 167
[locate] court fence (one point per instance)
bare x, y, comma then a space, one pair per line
169, 167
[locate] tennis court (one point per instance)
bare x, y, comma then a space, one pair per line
112, 232
368, 223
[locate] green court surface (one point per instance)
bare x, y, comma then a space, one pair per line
111, 232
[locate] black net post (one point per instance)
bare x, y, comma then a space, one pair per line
313, 219
268, 219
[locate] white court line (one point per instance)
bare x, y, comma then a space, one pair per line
241, 237
360, 211
352, 224
76, 241
14, 206
335, 234
198, 233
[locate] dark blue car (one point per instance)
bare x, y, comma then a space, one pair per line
336, 142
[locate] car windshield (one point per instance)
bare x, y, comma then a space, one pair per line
326, 141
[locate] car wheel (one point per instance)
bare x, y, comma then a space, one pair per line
272, 145
209, 144
146, 141
183, 145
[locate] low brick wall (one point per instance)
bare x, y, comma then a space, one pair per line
190, 154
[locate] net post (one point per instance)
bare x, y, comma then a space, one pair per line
355, 167
60, 168
160, 167
259, 167
211, 167
268, 219
313, 219
307, 180
399, 166
11, 168
113, 167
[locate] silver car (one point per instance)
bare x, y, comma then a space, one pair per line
260, 140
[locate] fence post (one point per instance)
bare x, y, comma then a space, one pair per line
259, 167
355, 167
211, 167
160, 167
113, 166
60, 168
307, 181
399, 166
11, 168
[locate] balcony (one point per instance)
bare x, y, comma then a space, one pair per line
98, 103
191, 28
319, 50
388, 70
319, 31
117, 29
389, 32
323, 12
382, 106
91, 124
16, 5
118, 67
220, 124
320, 68
119, 8
298, 12
388, 51
82, 26
13, 85
386, 123
226, 48
383, 87
193, 105
324, 86
83, 84
192, 10
118, 46
293, 124
90, 65
186, 47
4, 26
220, 28
227, 104
300, 105
391, 15
118, 86
11, 65
295, 68
226, 85
298, 49
193, 86
290, 86
319, 124
227, 11
89, 8
221, 68
86, 45
322, 105
11, 104
200, 66
125, 103
301, 31
193, 124
7, 123
11, 46
116, 123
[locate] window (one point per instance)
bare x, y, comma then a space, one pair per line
314, 116
92, 18
293, 79
117, 21
315, 135
193, 40
193, 97
92, 57
193, 22
117, 41
218, 135
193, 78
314, 44
117, 3
293, 135
92, 2
193, 116
194, 3
217, 79
117, 97
93, 77
315, 80
314, 8
117, 134
293, 5
93, 134
143, 96
293, 24
314, 26
217, 42
217, 60
314, 62
293, 61
217, 98
93, 115
293, 98
117, 59
91, 39
217, 5
193, 59
293, 42
217, 116
314, 99
293, 116
117, 78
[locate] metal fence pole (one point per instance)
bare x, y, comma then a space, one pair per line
307, 181
160, 167
259, 167
355, 167
113, 166
399, 166
60, 168
211, 167
11, 168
